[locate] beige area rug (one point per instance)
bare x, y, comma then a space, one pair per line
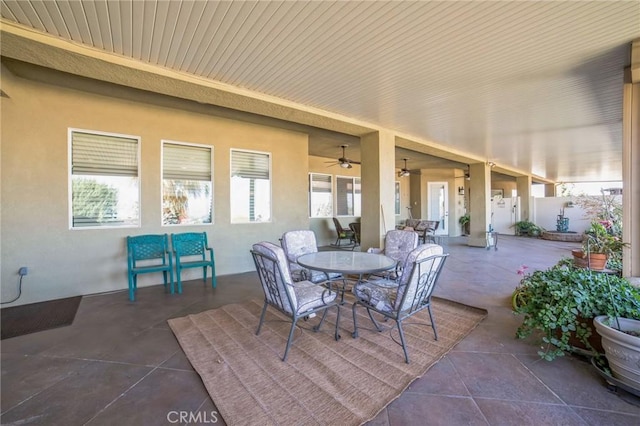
323, 382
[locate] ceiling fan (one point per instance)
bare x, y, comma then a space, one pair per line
404, 172
467, 175
343, 161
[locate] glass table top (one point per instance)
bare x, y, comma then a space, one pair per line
346, 262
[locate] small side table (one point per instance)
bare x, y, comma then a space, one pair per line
492, 240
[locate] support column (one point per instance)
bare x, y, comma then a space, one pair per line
416, 198
378, 187
549, 190
631, 169
523, 186
479, 204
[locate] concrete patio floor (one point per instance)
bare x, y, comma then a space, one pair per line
119, 363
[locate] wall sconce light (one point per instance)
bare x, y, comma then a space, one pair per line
461, 190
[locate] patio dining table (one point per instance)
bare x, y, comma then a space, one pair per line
347, 263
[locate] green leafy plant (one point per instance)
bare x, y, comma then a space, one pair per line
526, 227
464, 221
599, 239
604, 210
560, 303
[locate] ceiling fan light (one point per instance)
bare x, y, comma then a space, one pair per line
345, 165
405, 173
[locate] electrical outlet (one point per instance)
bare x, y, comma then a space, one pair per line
22, 271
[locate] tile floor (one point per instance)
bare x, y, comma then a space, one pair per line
119, 363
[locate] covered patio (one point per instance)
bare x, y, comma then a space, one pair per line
119, 363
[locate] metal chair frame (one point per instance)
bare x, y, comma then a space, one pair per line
270, 271
429, 232
142, 251
194, 247
343, 233
293, 250
396, 252
424, 276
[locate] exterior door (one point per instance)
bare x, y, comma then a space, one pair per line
438, 205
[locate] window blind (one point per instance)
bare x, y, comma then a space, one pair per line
250, 165
103, 155
320, 183
186, 162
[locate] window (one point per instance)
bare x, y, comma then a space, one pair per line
250, 186
348, 197
397, 198
104, 180
320, 195
187, 195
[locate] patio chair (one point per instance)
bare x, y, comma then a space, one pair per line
343, 233
399, 300
295, 244
430, 231
397, 245
355, 227
190, 250
424, 228
296, 300
145, 254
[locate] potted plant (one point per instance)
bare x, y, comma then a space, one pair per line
621, 343
559, 305
599, 244
464, 221
527, 228
605, 210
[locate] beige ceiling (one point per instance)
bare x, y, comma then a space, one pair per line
535, 87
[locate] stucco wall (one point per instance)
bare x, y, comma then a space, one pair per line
323, 227
34, 206
547, 210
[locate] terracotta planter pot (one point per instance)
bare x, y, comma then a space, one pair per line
595, 261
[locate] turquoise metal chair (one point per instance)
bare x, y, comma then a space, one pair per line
145, 254
190, 249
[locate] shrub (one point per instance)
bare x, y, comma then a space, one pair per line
562, 301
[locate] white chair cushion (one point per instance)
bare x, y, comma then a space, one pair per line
381, 294
284, 287
421, 252
311, 296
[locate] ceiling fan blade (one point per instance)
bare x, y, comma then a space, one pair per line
344, 159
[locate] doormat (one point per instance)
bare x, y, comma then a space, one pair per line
26, 319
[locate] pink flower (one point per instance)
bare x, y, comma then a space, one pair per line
606, 223
522, 270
